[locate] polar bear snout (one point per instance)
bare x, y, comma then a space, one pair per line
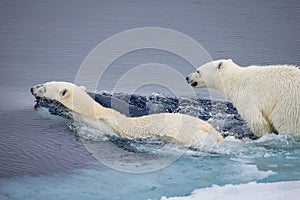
189, 79
192, 79
38, 90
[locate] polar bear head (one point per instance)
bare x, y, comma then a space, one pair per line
71, 96
55, 90
209, 75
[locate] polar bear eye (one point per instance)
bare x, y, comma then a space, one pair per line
198, 71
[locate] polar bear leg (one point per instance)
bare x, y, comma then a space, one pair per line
258, 123
284, 126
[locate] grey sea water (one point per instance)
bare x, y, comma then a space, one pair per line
41, 157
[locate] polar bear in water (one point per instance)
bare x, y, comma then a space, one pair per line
183, 129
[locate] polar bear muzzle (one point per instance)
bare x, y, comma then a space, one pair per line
38, 90
195, 80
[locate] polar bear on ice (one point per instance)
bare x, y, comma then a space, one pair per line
180, 128
267, 97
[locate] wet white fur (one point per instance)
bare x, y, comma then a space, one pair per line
180, 128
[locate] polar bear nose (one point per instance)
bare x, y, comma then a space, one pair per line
187, 78
31, 90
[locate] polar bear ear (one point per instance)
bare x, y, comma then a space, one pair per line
64, 93
83, 88
230, 60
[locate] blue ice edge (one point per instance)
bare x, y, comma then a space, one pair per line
258, 191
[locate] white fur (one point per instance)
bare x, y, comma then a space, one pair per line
267, 97
183, 129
